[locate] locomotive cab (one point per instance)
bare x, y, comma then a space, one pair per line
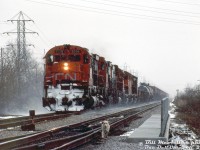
66, 77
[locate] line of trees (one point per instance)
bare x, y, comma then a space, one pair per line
188, 107
189, 100
21, 81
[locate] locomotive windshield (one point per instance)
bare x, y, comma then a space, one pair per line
74, 58
58, 58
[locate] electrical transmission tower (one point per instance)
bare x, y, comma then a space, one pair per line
21, 46
21, 33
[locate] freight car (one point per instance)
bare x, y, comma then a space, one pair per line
146, 92
75, 80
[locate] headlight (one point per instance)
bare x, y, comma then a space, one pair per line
66, 67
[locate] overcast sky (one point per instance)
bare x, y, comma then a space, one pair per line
158, 39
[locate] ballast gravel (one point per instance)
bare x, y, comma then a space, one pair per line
48, 125
111, 143
119, 142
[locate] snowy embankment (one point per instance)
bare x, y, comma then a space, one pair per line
181, 136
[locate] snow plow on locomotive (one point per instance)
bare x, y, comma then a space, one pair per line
75, 80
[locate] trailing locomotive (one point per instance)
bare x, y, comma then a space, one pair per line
75, 80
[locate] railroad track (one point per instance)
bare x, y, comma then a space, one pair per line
18, 121
71, 136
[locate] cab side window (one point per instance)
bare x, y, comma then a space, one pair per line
49, 59
85, 59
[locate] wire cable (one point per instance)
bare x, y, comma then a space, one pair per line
131, 4
155, 11
119, 13
183, 3
47, 40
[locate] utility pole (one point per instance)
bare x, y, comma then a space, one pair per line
21, 32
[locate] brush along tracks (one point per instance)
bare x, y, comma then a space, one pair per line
74, 135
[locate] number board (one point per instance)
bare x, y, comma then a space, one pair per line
76, 51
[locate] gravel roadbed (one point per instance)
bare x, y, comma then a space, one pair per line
119, 142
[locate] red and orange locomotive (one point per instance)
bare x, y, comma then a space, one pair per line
75, 80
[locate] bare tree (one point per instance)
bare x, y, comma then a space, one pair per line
21, 81
189, 100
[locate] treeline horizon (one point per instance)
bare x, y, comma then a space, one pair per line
21, 80
188, 107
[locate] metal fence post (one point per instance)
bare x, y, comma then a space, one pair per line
164, 115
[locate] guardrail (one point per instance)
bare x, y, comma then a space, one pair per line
164, 115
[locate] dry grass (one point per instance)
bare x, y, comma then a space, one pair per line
192, 120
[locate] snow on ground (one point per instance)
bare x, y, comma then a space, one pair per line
180, 134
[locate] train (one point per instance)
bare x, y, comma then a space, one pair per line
76, 79
147, 92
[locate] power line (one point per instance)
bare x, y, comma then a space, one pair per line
44, 39
43, 36
119, 13
183, 3
131, 4
155, 11
41, 39
87, 6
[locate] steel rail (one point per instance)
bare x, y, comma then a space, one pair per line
48, 134
27, 120
74, 141
9, 120
22, 118
85, 139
